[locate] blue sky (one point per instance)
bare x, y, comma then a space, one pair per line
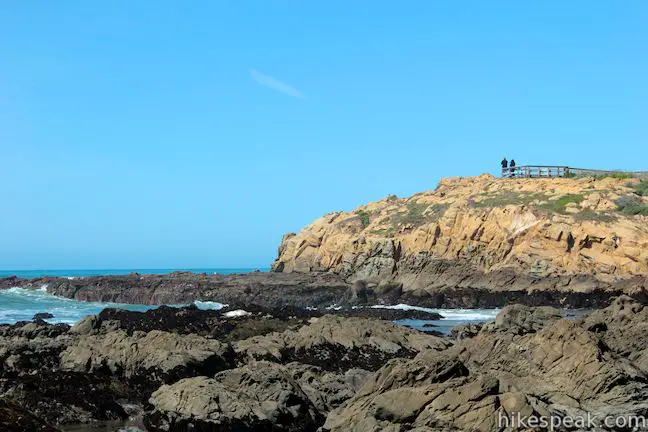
193, 134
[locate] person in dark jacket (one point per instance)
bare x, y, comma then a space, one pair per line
504, 167
512, 165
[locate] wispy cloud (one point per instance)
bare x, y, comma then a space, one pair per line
275, 84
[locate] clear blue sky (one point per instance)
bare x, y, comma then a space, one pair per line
193, 134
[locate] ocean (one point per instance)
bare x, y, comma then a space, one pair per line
117, 272
17, 304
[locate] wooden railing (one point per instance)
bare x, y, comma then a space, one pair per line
547, 171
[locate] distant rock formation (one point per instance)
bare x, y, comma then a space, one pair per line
483, 232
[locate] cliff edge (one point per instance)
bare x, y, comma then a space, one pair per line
565, 234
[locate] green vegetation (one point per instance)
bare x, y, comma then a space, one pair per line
559, 205
631, 205
542, 201
640, 188
419, 214
364, 218
597, 216
510, 198
615, 175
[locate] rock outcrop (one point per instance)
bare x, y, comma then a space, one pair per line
261, 396
329, 372
338, 344
528, 362
483, 233
155, 356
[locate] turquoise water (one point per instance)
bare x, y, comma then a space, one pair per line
18, 304
116, 272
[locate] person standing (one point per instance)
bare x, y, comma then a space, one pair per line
504, 167
512, 165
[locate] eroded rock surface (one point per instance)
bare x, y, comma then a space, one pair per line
486, 234
337, 344
261, 396
155, 356
529, 362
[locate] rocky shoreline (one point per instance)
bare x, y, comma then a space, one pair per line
320, 290
182, 369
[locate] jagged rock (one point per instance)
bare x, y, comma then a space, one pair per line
29, 347
266, 289
15, 418
66, 397
623, 328
156, 355
465, 331
42, 316
483, 232
327, 390
524, 319
550, 367
335, 343
261, 396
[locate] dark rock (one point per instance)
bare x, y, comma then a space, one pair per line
327, 390
66, 397
261, 397
524, 319
528, 362
42, 316
15, 418
147, 359
338, 344
448, 284
358, 292
465, 331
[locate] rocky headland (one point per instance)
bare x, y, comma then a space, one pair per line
484, 241
473, 242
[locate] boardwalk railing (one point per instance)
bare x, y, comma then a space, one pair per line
546, 171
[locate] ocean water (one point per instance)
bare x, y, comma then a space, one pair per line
117, 272
17, 304
451, 317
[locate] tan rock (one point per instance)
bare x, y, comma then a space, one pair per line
494, 225
156, 354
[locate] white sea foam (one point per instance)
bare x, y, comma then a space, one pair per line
19, 304
209, 305
451, 314
236, 313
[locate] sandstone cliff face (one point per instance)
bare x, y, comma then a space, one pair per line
567, 231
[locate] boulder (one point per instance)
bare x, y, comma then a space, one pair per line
42, 316
156, 355
338, 344
261, 396
465, 331
525, 319
327, 390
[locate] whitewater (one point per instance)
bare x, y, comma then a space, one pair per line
19, 304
